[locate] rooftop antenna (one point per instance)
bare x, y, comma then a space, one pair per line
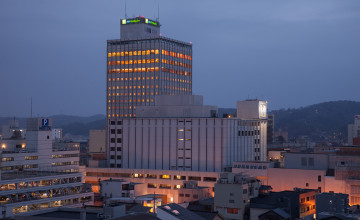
125, 10
158, 18
31, 107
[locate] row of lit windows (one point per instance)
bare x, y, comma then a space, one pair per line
122, 107
64, 155
130, 94
133, 53
130, 78
148, 52
65, 163
134, 70
139, 87
126, 62
31, 158
131, 100
122, 115
138, 78
179, 72
175, 63
174, 54
118, 62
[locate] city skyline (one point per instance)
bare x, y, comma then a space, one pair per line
292, 54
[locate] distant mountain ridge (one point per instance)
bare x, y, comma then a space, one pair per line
315, 120
320, 119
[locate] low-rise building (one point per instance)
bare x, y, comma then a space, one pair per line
297, 203
40, 177
192, 192
232, 194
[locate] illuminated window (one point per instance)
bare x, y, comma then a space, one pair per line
130, 53
113, 54
109, 54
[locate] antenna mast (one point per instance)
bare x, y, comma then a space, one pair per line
125, 10
158, 18
31, 107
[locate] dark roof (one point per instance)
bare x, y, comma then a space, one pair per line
139, 209
138, 216
279, 212
183, 213
67, 215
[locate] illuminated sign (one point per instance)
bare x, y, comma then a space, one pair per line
139, 20
262, 110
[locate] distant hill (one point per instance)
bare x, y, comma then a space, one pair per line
316, 120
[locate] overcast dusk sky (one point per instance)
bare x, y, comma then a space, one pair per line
291, 53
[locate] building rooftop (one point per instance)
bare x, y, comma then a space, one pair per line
180, 212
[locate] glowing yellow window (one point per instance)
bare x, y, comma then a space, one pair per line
109, 80
109, 54
162, 51
148, 52
109, 87
122, 54
135, 61
143, 100
130, 53
143, 52
148, 61
156, 51
135, 53
113, 87
109, 115
143, 61
109, 94
139, 52
118, 54
117, 94
156, 60
113, 54
126, 53
122, 79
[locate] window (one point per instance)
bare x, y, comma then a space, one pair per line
151, 185
187, 195
119, 122
232, 211
303, 161
195, 196
319, 178
118, 157
164, 176
195, 178
112, 157
307, 184
112, 148
119, 131
118, 149
112, 165
181, 195
118, 140
244, 191
231, 201
311, 162
112, 122
112, 131
112, 140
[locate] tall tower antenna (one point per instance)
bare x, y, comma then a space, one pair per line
31, 107
125, 10
158, 18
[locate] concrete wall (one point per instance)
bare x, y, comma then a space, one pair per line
192, 144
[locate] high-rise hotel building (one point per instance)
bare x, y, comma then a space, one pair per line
142, 64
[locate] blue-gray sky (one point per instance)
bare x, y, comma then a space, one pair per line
291, 53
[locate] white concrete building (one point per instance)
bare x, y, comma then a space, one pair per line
38, 177
179, 133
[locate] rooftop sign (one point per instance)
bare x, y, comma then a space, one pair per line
139, 20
